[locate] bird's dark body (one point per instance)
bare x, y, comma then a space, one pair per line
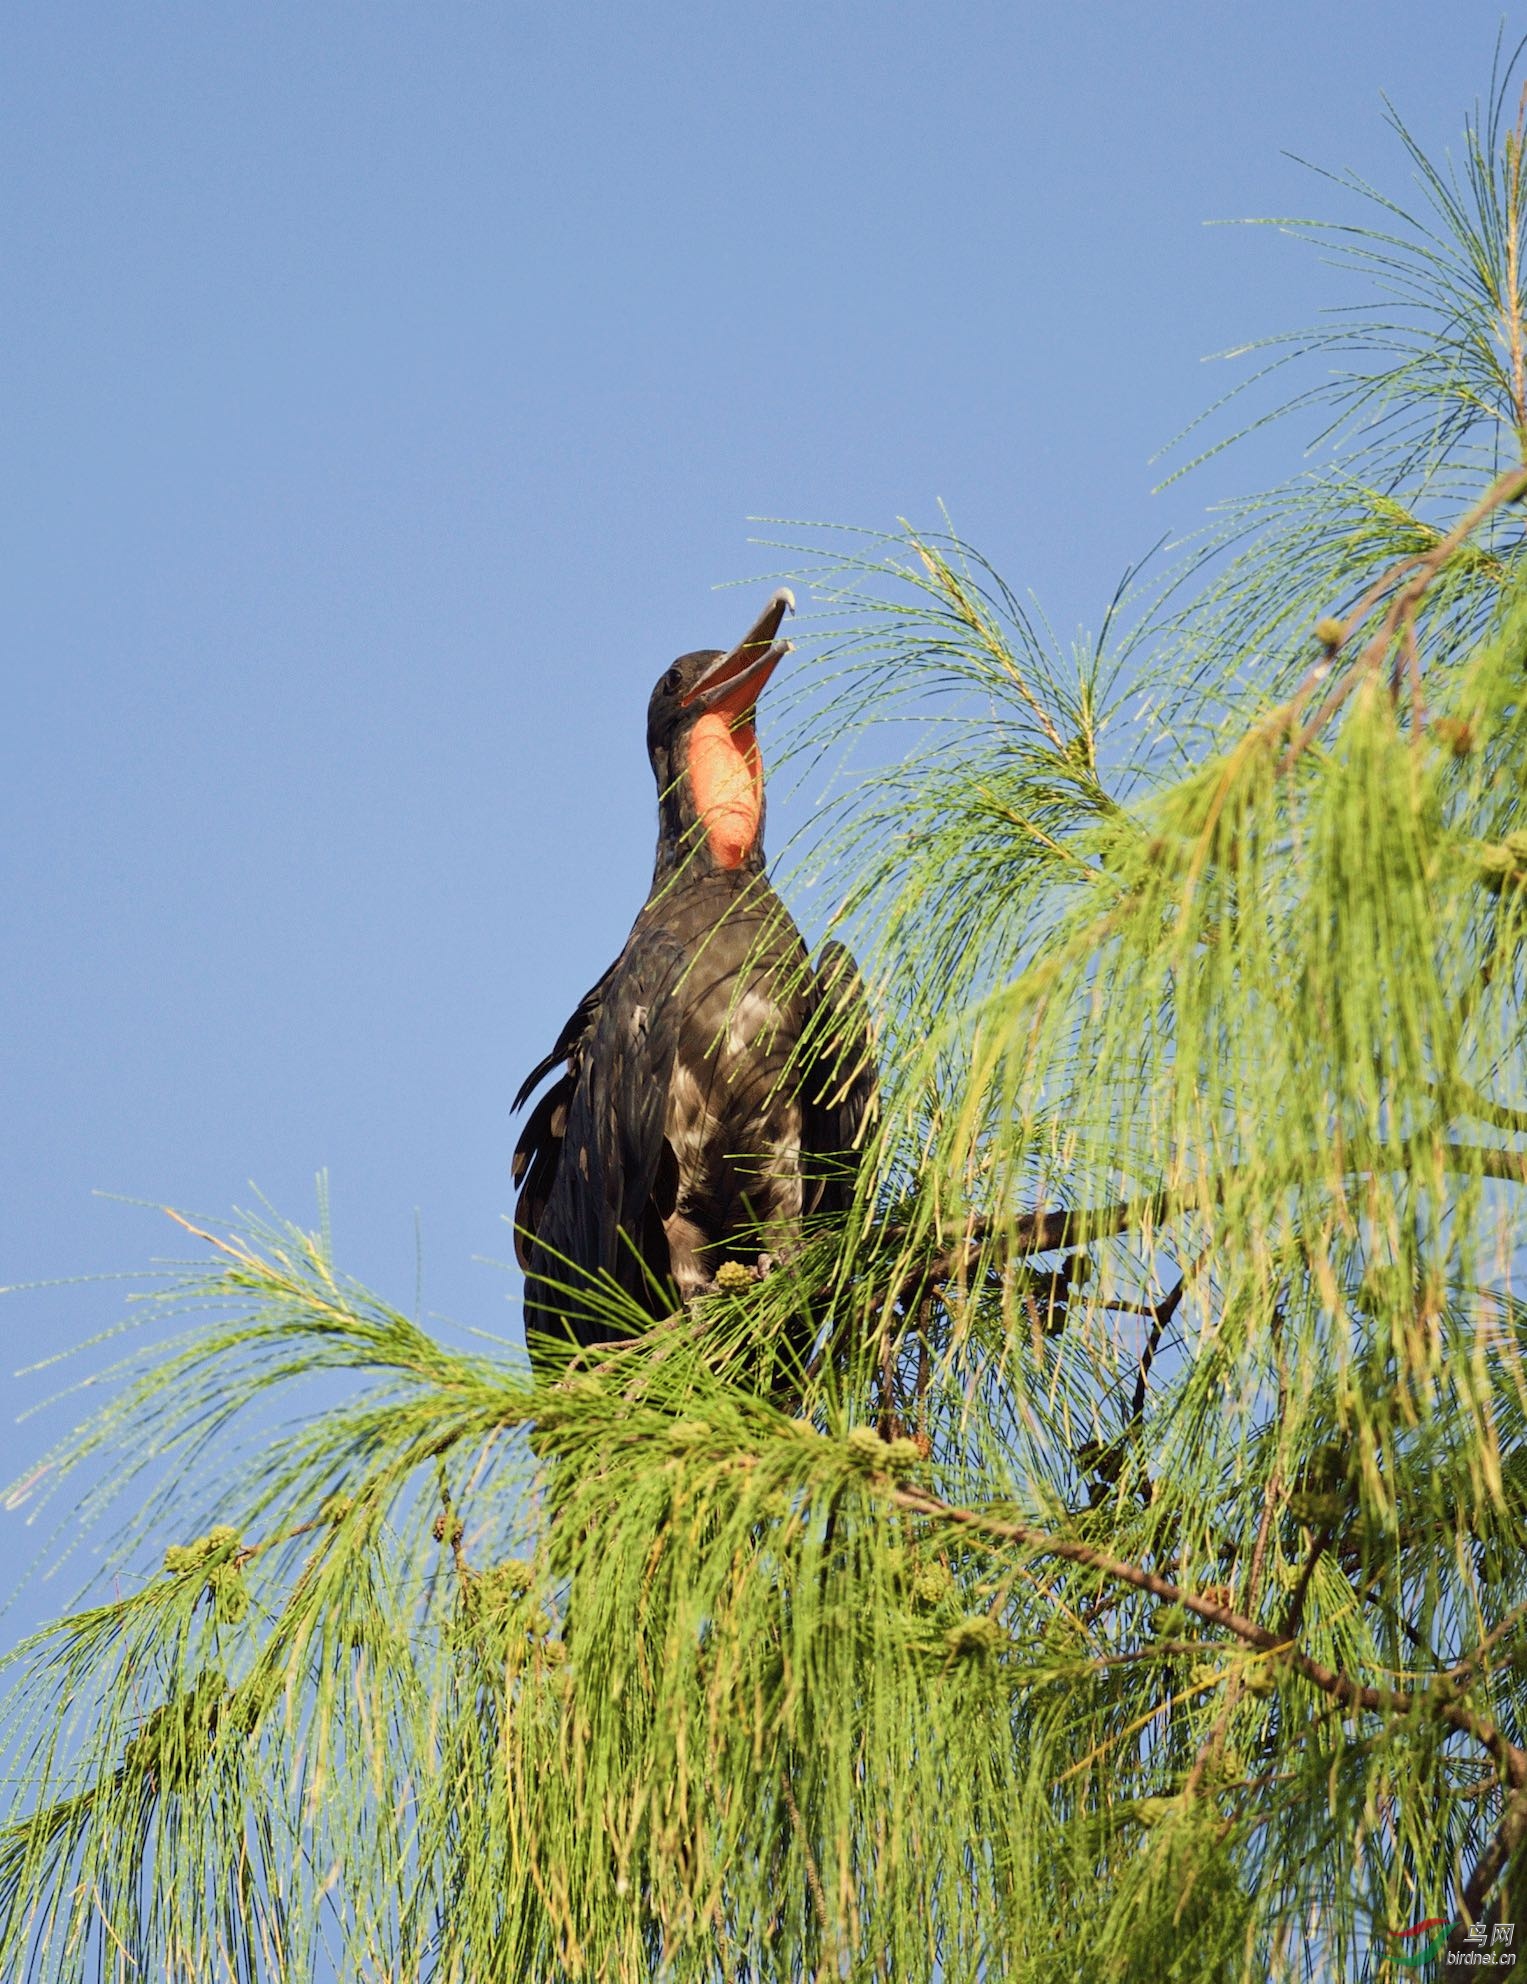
713, 1092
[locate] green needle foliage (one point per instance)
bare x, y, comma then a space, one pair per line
1123, 1576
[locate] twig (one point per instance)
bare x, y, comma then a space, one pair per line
1052, 1232
247, 1552
1042, 1233
888, 1425
1489, 1867
1296, 1602
1161, 1314
449, 1531
1213, 1745
813, 1878
1330, 1681
1463, 1668
1471, 1101
1422, 569
1270, 1496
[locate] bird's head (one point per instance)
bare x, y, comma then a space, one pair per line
704, 752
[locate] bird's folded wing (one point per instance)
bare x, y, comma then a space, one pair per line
599, 1216
574, 1028
840, 1088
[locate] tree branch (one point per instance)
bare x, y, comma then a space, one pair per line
1489, 1867
1406, 598
1072, 1228
1471, 1101
1330, 1681
1160, 1313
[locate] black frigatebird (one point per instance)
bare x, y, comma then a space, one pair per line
716, 1085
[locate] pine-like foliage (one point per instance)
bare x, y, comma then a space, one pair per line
1132, 1584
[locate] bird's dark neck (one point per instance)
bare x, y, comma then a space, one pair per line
685, 856
690, 899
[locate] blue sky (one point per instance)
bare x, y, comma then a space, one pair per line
387, 392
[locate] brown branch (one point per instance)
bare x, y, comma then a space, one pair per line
449, 1530
924, 1372
1301, 1590
1466, 1666
888, 1423
1044, 1233
1489, 1867
813, 1878
1461, 1098
1077, 1227
1330, 1681
1421, 570
247, 1552
1160, 1313
1270, 1496
1212, 1748
1352, 1563
1487, 1159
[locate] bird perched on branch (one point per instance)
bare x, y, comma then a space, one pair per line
715, 1085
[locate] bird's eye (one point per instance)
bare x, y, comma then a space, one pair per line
674, 676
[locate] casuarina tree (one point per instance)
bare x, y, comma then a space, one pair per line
1097, 1551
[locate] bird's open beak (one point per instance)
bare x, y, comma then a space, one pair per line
732, 683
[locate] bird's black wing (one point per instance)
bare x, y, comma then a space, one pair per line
599, 1174
538, 1151
573, 1029
840, 1089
